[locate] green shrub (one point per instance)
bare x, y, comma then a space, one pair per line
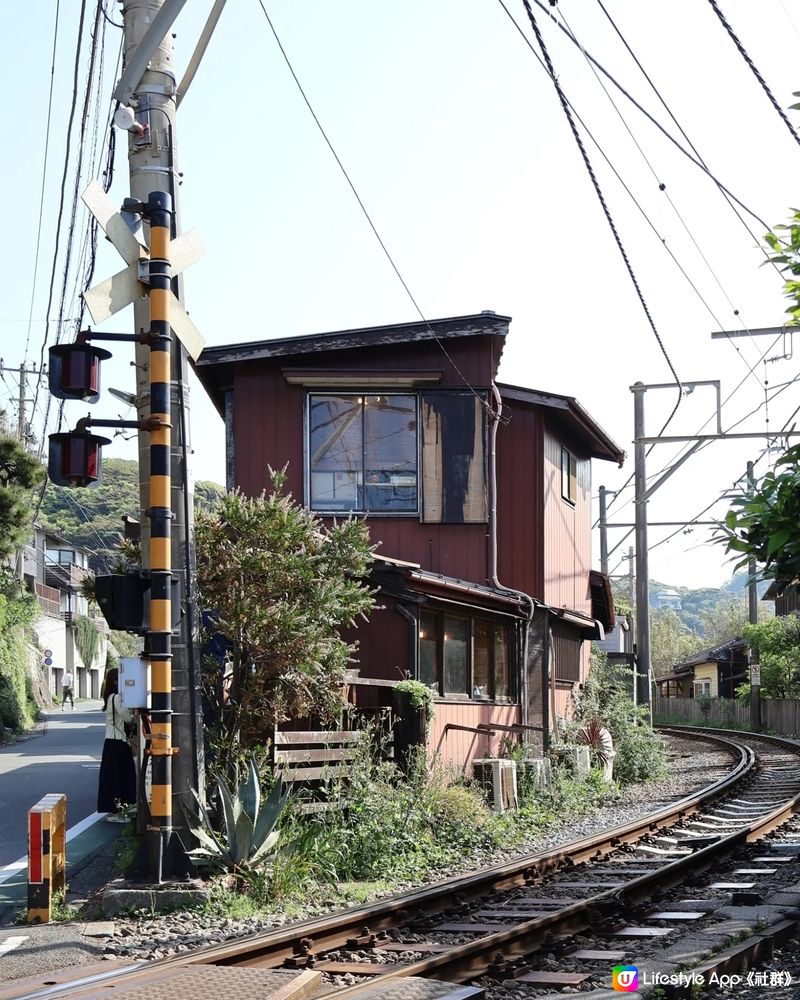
640, 752
17, 709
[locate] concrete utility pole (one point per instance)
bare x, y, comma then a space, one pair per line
151, 159
603, 532
642, 571
752, 587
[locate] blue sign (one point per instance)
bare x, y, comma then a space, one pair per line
48, 662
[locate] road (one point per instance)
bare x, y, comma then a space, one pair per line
65, 757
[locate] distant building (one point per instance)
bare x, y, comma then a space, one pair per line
667, 599
711, 673
53, 569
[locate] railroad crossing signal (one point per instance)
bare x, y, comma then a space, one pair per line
126, 286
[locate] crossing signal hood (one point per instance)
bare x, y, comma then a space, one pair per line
75, 371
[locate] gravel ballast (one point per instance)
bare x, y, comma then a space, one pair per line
693, 765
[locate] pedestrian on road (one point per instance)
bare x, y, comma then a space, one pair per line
117, 787
66, 689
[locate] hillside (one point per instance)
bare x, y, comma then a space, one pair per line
92, 518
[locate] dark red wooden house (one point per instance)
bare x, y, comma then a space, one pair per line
478, 493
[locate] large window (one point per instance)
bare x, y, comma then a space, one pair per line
362, 452
462, 656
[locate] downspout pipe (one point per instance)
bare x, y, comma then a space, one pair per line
495, 415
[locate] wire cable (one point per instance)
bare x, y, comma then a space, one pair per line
483, 402
44, 178
756, 73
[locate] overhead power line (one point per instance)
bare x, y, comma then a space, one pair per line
485, 405
756, 73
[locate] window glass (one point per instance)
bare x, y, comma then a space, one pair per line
362, 452
502, 687
335, 452
482, 660
428, 643
390, 452
569, 476
456, 641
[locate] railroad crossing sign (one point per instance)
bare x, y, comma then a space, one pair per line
128, 285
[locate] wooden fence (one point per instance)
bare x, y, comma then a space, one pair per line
778, 715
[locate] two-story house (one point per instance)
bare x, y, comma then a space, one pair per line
53, 569
477, 494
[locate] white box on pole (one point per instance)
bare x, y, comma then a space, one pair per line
133, 686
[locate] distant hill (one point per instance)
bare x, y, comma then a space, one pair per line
92, 518
697, 605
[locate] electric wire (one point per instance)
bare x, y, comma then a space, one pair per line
699, 164
663, 189
64, 175
44, 178
756, 73
483, 402
598, 191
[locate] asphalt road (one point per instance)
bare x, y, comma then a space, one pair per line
64, 757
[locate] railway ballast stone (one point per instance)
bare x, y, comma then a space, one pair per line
692, 949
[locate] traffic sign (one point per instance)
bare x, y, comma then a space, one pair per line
48, 652
48, 661
755, 674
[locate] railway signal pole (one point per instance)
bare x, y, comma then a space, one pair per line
152, 167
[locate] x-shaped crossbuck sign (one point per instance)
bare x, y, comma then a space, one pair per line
128, 285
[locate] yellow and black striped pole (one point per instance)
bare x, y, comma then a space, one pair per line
159, 647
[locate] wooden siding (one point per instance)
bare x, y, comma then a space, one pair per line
567, 531
382, 644
520, 559
268, 421
455, 748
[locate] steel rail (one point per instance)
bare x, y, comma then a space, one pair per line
467, 961
270, 949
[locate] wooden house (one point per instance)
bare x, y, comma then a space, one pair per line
712, 673
477, 494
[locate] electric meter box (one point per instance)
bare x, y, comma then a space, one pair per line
133, 685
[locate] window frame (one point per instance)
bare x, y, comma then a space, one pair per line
320, 391
701, 688
497, 625
569, 478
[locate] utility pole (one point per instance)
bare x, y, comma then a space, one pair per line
21, 427
603, 533
642, 572
752, 588
631, 595
152, 167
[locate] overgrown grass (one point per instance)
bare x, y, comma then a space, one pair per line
18, 710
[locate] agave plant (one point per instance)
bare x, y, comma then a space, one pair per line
248, 833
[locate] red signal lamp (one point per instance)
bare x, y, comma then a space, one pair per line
75, 371
75, 458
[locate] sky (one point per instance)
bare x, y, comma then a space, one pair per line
453, 136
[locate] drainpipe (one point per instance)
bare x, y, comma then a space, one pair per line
526, 598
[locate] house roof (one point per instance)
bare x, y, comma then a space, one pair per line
212, 364
571, 413
722, 653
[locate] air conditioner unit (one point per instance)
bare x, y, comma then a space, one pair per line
499, 779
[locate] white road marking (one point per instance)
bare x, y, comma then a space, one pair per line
11, 943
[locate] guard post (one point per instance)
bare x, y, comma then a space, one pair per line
47, 855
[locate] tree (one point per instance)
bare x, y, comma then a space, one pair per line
725, 620
777, 641
20, 473
765, 524
670, 641
281, 586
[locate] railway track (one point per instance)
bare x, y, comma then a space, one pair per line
557, 919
